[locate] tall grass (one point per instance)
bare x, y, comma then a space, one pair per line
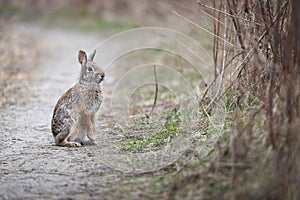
257, 57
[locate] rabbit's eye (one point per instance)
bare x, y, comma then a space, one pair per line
89, 69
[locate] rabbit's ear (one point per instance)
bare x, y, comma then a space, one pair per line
92, 55
82, 57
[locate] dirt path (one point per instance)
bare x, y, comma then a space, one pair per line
31, 166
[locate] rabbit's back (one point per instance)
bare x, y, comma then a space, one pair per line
64, 112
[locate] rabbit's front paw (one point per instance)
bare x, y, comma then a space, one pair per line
89, 142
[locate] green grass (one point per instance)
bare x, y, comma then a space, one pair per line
155, 140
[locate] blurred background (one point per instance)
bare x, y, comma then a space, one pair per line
105, 18
121, 12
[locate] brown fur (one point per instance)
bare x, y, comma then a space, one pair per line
73, 121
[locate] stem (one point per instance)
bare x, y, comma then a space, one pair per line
156, 90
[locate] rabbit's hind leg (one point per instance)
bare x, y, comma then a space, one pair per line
66, 137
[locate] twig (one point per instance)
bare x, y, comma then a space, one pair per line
235, 164
193, 52
236, 71
270, 112
223, 61
226, 13
216, 42
156, 90
224, 49
207, 31
236, 26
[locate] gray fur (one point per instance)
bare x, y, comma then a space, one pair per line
73, 121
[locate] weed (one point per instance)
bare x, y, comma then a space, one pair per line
155, 141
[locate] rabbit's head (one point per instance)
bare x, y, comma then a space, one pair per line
90, 72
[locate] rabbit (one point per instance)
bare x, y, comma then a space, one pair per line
73, 120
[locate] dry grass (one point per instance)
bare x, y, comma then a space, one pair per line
256, 54
17, 58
